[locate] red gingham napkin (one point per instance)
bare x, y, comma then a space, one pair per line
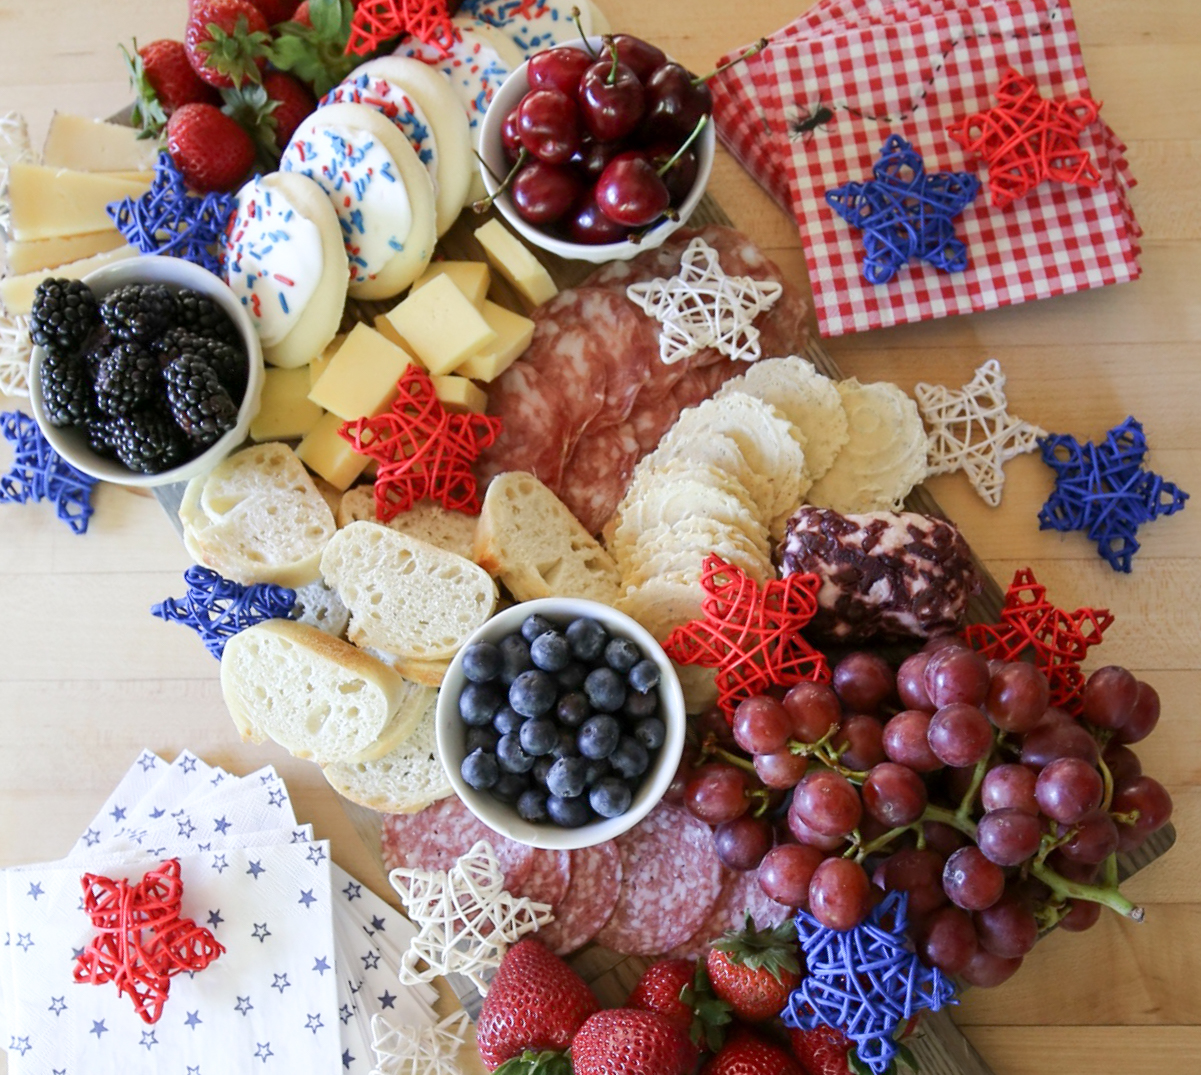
913, 68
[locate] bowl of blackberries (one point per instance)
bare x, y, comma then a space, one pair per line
146, 372
598, 148
560, 723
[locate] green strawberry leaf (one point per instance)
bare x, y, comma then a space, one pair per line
773, 949
711, 1014
255, 112
148, 114
856, 1065
529, 1063
317, 54
234, 54
906, 1057
327, 18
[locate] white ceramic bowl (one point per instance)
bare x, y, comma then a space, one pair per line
503, 818
175, 273
493, 153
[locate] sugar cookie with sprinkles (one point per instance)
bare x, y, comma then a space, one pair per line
282, 256
379, 188
531, 26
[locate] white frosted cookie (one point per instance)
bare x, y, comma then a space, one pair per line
531, 27
884, 457
379, 188
282, 256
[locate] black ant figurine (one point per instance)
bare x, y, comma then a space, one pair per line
807, 122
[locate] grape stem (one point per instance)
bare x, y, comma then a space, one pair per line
1109, 872
937, 813
969, 796
713, 750
1106, 895
861, 850
821, 751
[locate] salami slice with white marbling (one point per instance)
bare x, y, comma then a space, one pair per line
671, 881
590, 899
740, 893
548, 878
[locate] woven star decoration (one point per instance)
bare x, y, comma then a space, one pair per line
464, 916
423, 451
864, 981
14, 149
702, 307
750, 633
419, 1050
168, 220
379, 21
905, 212
1027, 139
1104, 490
16, 349
217, 608
1059, 639
141, 941
40, 473
971, 430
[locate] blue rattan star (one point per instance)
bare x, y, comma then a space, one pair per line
169, 220
217, 609
864, 981
40, 473
1104, 490
905, 213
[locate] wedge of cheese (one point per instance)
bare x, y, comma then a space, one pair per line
513, 336
470, 277
37, 254
441, 325
329, 456
360, 380
50, 203
91, 145
509, 257
17, 291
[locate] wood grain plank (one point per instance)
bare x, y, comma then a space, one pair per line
1088, 1050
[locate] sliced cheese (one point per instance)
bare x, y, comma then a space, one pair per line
286, 412
318, 365
459, 395
441, 325
513, 335
329, 455
49, 203
515, 263
17, 291
37, 254
386, 329
91, 145
360, 380
470, 277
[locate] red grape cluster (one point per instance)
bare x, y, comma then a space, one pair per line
950, 779
601, 143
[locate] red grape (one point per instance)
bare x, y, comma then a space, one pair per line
713, 723
813, 709
1008, 836
558, 69
911, 683
1067, 789
894, 794
1058, 738
1149, 798
683, 774
1142, 718
1017, 697
863, 681
828, 803
1083, 873
839, 894
959, 735
1082, 915
761, 725
742, 843
917, 872
987, 970
1122, 762
1109, 696
943, 838
941, 642
1009, 785
717, 793
1095, 840
782, 770
548, 124
863, 737
785, 873
905, 741
957, 674
947, 940
971, 881
1008, 928
811, 837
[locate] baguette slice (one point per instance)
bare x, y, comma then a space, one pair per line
257, 517
426, 520
318, 696
529, 539
405, 596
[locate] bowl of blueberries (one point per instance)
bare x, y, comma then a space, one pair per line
560, 723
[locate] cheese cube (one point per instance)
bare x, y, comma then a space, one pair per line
318, 364
17, 291
441, 326
515, 263
286, 412
329, 455
47, 253
360, 380
48, 203
459, 395
470, 277
513, 335
91, 145
386, 329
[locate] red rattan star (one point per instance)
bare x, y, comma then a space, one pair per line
423, 451
1028, 138
750, 634
379, 21
1059, 639
141, 942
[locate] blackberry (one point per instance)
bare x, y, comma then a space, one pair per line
64, 312
100, 434
138, 311
127, 378
199, 314
66, 390
97, 348
199, 405
227, 361
147, 441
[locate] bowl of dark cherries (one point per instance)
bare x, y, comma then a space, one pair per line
598, 148
560, 723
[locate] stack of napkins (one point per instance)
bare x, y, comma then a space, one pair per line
812, 110
310, 954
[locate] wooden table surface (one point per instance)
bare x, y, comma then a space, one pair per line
88, 677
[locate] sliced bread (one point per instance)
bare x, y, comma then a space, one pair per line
426, 520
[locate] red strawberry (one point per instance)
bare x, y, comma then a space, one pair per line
535, 1002
754, 970
679, 990
227, 42
276, 10
626, 1041
162, 81
209, 148
293, 103
745, 1053
302, 16
821, 1051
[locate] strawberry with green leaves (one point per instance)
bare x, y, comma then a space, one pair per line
270, 113
226, 42
745, 1053
162, 81
627, 1041
211, 150
312, 45
822, 1050
679, 990
754, 970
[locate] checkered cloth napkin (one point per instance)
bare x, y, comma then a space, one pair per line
813, 109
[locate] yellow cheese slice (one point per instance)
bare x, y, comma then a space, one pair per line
17, 291
470, 277
329, 456
386, 329
513, 335
441, 325
91, 145
286, 412
37, 254
317, 366
515, 263
49, 203
360, 380
459, 395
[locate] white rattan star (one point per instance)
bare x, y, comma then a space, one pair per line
703, 307
14, 147
418, 1050
464, 916
15, 351
971, 430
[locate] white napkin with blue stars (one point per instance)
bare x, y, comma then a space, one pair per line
310, 954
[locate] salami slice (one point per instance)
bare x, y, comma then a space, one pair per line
548, 879
740, 893
598, 474
589, 902
671, 880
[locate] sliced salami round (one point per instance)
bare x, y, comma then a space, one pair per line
740, 894
598, 474
671, 880
589, 902
548, 878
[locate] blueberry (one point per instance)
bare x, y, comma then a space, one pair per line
514, 657
572, 677
532, 805
550, 652
541, 769
481, 662
510, 755
610, 797
641, 705
535, 626
566, 777
629, 758
565, 748
587, 639
479, 702
650, 732
533, 693
506, 720
484, 738
510, 787
573, 709
598, 769
480, 770
644, 676
568, 813
621, 655
538, 737
598, 737
606, 690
